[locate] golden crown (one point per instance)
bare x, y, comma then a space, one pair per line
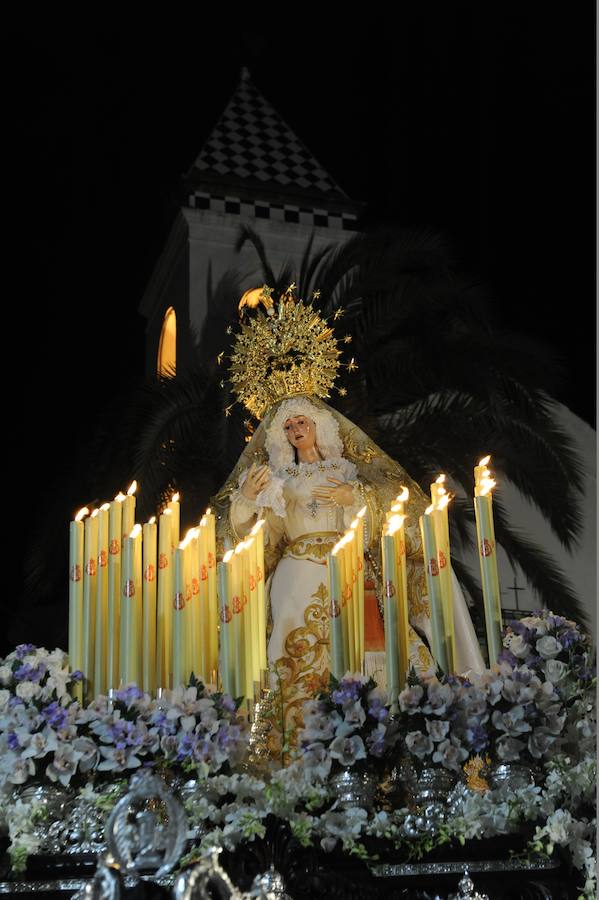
286, 350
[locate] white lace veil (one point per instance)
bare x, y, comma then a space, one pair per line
328, 440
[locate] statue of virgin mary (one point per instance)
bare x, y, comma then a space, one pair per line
307, 471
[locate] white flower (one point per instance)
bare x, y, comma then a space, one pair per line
347, 750
5, 674
438, 730
4, 698
512, 721
558, 826
64, 764
450, 754
419, 744
509, 749
21, 770
410, 697
518, 646
535, 623
27, 690
354, 714
555, 670
317, 760
548, 647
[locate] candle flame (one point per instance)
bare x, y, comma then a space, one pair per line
440, 479
257, 526
396, 508
135, 531
175, 497
152, 520
429, 510
394, 523
486, 486
362, 513
191, 534
338, 546
84, 511
348, 536
119, 497
132, 488
95, 513
404, 495
249, 542
105, 507
485, 461
354, 524
228, 556
444, 501
203, 521
183, 544
208, 511
240, 546
166, 512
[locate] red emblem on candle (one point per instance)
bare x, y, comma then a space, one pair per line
179, 601
259, 574
389, 589
433, 567
210, 560
163, 561
252, 583
150, 573
442, 560
347, 592
236, 604
402, 548
114, 548
486, 548
225, 614
102, 559
204, 572
335, 610
91, 567
76, 573
360, 565
195, 586
129, 588
244, 600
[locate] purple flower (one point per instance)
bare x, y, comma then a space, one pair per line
30, 673
227, 703
128, 695
24, 650
77, 675
378, 710
12, 741
477, 738
347, 692
15, 701
55, 715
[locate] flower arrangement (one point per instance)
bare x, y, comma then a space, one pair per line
47, 735
347, 726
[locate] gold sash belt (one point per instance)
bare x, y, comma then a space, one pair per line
314, 546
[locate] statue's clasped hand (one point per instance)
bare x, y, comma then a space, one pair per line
257, 479
342, 494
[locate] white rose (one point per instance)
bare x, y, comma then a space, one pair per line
555, 670
518, 646
26, 690
5, 674
548, 647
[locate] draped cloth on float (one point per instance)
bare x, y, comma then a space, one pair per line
299, 533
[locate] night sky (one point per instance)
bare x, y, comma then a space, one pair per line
479, 122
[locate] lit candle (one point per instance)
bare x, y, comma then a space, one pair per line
390, 585
90, 556
164, 601
175, 509
129, 510
101, 643
253, 611
227, 673
246, 619
334, 569
131, 608
395, 528
347, 618
237, 624
181, 618
487, 552
149, 550
197, 648
258, 535
212, 643
113, 627
358, 527
435, 599
76, 532
440, 499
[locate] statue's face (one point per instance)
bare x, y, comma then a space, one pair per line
301, 432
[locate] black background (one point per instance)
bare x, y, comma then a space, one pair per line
477, 121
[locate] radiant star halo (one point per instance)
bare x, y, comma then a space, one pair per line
287, 351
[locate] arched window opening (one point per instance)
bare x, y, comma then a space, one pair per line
167, 349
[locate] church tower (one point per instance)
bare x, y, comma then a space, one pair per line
252, 170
